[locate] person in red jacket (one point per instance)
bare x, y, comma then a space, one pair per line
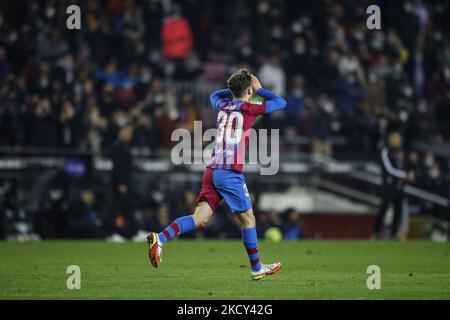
176, 36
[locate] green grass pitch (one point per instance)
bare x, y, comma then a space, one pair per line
219, 270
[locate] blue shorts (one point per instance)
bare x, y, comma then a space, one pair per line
231, 186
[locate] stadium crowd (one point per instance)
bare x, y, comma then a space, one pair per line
75, 89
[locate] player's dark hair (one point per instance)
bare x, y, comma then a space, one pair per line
239, 81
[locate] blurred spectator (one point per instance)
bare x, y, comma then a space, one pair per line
272, 75
320, 121
263, 223
275, 219
70, 126
295, 101
16, 222
292, 230
84, 219
121, 221
161, 219
144, 134
176, 35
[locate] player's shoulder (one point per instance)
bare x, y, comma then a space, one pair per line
230, 105
223, 104
249, 105
253, 107
241, 106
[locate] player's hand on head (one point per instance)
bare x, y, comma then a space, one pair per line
256, 84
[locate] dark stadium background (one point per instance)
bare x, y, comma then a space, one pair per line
64, 95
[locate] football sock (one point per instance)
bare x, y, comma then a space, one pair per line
250, 240
179, 226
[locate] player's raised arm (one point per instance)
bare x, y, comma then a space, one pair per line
273, 101
220, 95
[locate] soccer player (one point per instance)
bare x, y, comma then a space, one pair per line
223, 178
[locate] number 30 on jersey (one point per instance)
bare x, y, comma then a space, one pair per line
225, 127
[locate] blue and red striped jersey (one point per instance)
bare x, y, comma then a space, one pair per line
235, 119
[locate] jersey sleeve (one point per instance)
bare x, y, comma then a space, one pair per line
273, 101
221, 98
254, 108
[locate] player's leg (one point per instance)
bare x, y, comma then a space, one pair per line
201, 216
231, 186
206, 202
250, 240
